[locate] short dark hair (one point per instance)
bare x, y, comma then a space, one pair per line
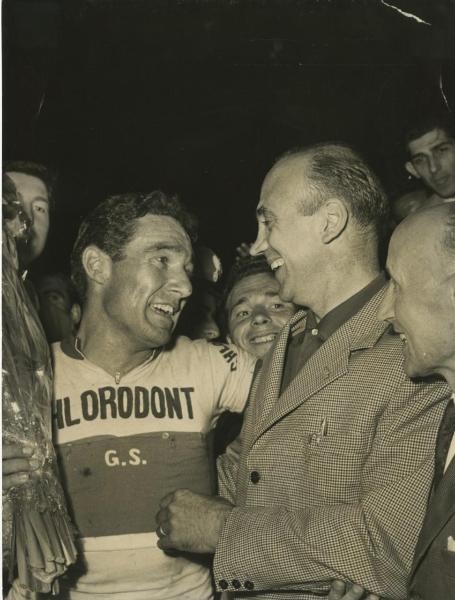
336, 169
427, 123
112, 224
47, 175
244, 267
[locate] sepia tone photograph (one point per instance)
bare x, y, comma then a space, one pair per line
228, 299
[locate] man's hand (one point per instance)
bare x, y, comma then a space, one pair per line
191, 522
338, 592
17, 464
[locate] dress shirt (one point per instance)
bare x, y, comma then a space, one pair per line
303, 344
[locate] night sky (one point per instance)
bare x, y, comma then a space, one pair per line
199, 98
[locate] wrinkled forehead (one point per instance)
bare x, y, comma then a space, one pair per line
162, 231
429, 139
29, 186
253, 289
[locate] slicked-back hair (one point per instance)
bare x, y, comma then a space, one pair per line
46, 175
112, 224
428, 123
335, 170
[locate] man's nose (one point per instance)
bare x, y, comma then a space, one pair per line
260, 316
211, 332
434, 163
385, 310
181, 284
260, 245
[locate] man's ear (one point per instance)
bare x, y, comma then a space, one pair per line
336, 218
97, 264
411, 169
76, 314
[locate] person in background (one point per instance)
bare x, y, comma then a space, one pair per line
330, 474
430, 145
59, 306
253, 315
199, 319
34, 184
420, 304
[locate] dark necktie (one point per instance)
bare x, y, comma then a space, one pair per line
445, 434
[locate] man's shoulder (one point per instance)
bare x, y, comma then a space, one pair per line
204, 350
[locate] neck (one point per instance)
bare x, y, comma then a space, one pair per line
112, 352
341, 284
449, 376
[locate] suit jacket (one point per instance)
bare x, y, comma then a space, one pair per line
433, 569
334, 474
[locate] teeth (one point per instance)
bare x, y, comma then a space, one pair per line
277, 263
402, 337
165, 308
262, 339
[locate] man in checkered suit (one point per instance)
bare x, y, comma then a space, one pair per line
332, 472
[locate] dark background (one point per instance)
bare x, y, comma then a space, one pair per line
199, 98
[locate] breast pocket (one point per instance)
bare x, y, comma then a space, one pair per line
335, 467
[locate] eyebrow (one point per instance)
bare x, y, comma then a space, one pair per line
165, 246
262, 211
434, 147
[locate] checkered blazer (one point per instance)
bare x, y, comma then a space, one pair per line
334, 474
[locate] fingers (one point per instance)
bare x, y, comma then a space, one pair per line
17, 464
16, 451
338, 592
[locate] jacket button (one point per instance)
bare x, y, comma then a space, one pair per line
236, 583
249, 585
223, 584
255, 477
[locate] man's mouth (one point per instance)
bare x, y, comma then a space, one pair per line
164, 309
276, 264
263, 339
403, 338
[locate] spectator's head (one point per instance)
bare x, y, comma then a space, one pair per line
321, 212
59, 307
132, 263
34, 185
254, 311
420, 301
431, 149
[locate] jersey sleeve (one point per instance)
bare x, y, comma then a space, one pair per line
232, 373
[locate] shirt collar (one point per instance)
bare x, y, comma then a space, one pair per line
344, 311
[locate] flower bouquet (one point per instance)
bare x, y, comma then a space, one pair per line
37, 537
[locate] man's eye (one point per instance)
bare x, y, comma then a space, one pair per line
277, 306
162, 259
241, 314
418, 161
41, 209
443, 149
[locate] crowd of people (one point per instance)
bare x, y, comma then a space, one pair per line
324, 384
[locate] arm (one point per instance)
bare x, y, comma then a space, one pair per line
371, 540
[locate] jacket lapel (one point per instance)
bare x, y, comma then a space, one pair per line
441, 508
326, 365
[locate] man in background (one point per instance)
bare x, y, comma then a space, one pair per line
420, 304
431, 149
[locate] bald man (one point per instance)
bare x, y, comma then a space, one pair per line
336, 459
420, 304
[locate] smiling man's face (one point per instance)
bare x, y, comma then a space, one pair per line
148, 287
419, 301
256, 313
288, 239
